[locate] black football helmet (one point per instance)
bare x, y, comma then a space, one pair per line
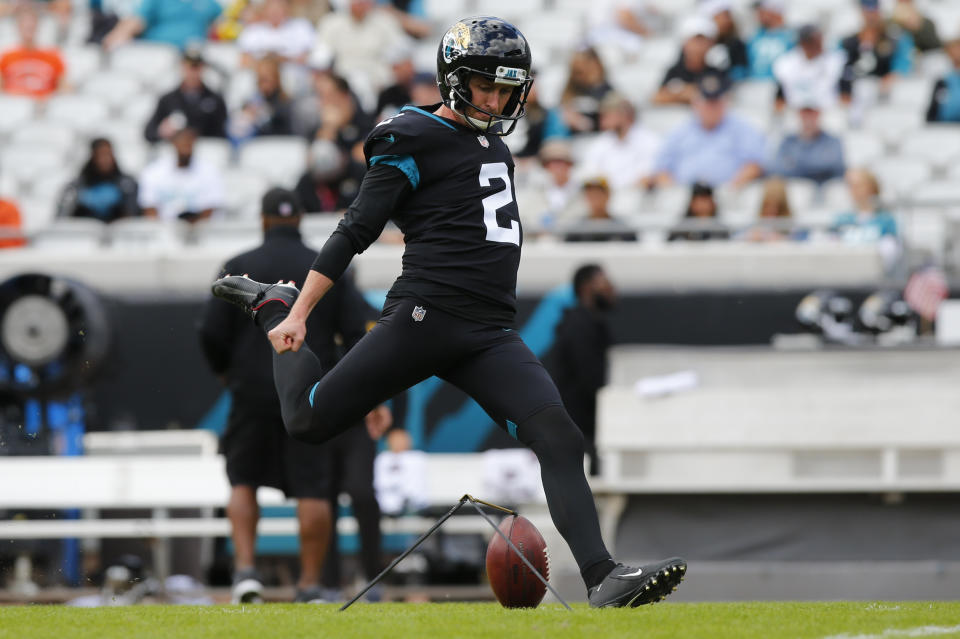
490, 47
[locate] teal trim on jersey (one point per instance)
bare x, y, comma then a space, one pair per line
512, 429
464, 430
405, 163
313, 391
429, 115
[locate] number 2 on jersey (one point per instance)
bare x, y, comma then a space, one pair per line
495, 201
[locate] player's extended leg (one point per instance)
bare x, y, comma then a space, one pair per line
511, 384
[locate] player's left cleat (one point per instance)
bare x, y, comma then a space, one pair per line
628, 586
252, 296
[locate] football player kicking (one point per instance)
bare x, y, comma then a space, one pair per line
445, 177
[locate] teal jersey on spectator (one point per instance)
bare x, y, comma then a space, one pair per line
177, 22
853, 228
764, 48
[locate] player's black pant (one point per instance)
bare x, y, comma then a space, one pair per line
490, 364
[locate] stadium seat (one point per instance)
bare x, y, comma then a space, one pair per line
214, 151
132, 156
891, 122
139, 110
151, 61
243, 189
37, 212
120, 132
673, 198
625, 202
835, 197
116, 88
50, 186
444, 12
659, 53
911, 92
16, 110
82, 112
553, 31
934, 194
222, 56
754, 94
140, 234
938, 144
802, 194
69, 235
279, 159
240, 87
663, 120
82, 62
926, 230
233, 234
900, 174
25, 162
860, 148
55, 136
636, 81
933, 65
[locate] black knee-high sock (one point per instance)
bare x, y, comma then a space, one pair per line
294, 375
558, 444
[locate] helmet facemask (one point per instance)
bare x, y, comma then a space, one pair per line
460, 97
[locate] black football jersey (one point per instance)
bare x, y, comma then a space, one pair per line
460, 221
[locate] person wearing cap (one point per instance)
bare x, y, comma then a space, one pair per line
945, 100
278, 34
180, 186
714, 146
192, 104
812, 153
256, 446
875, 50
730, 52
771, 40
551, 195
625, 151
180, 24
809, 70
679, 85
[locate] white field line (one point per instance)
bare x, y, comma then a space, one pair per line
896, 633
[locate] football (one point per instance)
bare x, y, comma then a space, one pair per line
513, 583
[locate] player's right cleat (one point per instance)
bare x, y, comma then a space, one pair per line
253, 296
628, 586
247, 588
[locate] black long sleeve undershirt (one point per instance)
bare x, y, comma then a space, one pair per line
383, 188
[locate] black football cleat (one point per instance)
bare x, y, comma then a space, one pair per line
628, 586
251, 295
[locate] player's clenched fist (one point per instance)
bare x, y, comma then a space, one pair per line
288, 335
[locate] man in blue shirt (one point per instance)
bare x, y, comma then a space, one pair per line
812, 153
176, 22
714, 147
770, 41
945, 102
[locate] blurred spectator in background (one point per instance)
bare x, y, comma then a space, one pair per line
395, 96
27, 69
945, 101
306, 107
276, 34
550, 198
870, 221
536, 127
586, 86
102, 191
714, 146
875, 51
179, 186
775, 221
192, 104
268, 111
342, 120
907, 16
700, 221
400, 476
331, 181
599, 225
411, 14
812, 153
578, 360
771, 40
11, 225
626, 151
358, 39
174, 22
679, 85
621, 24
730, 53
808, 71
105, 14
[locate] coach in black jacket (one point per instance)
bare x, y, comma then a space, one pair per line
257, 448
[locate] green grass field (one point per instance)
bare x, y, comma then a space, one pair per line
396, 620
